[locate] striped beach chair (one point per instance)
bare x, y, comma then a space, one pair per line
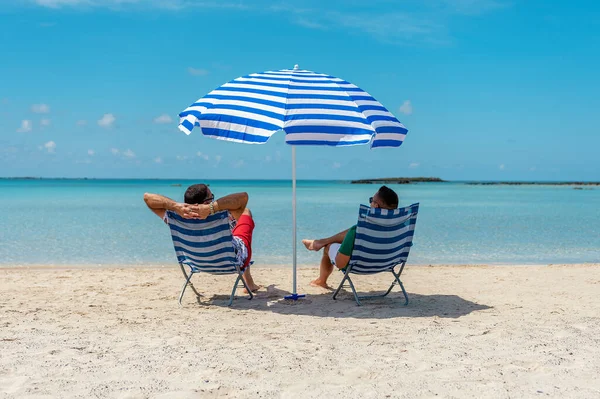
205, 246
383, 241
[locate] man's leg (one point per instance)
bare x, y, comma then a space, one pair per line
316, 245
326, 267
250, 281
325, 270
244, 230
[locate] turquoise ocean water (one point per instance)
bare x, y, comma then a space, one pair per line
105, 222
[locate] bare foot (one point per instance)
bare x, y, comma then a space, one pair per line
319, 283
253, 288
313, 245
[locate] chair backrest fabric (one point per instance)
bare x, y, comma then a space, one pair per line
205, 245
383, 238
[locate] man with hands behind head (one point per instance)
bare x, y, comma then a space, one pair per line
199, 202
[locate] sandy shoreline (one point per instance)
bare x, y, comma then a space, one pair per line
469, 331
63, 266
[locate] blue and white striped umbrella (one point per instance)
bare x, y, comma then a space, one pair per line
311, 108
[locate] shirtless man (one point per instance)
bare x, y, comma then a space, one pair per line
338, 248
199, 202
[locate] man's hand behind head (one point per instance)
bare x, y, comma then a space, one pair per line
188, 211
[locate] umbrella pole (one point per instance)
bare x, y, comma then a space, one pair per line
294, 238
294, 295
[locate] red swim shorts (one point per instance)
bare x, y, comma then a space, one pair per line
243, 230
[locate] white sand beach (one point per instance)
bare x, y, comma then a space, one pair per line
469, 331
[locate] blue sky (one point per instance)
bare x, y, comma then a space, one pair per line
489, 89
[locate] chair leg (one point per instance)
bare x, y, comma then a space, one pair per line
187, 281
246, 286
340, 286
356, 297
347, 277
397, 276
380, 295
235, 286
389, 289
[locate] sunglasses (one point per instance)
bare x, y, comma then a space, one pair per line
210, 199
372, 201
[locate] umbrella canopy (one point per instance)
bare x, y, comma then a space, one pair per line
311, 108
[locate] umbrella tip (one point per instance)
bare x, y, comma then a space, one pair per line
296, 67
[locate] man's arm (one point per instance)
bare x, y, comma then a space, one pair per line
234, 203
343, 255
341, 260
160, 204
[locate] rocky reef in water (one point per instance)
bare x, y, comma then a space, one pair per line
399, 180
534, 183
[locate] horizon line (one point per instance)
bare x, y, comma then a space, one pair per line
375, 179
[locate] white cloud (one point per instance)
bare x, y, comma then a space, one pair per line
218, 158
91, 152
336, 165
107, 120
146, 4
268, 158
129, 154
197, 71
414, 22
114, 151
406, 108
50, 146
164, 118
501, 167
308, 23
40, 108
59, 3
239, 163
395, 27
81, 122
26, 126
158, 160
203, 156
45, 122
181, 157
414, 165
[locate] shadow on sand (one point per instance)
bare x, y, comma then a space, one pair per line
322, 305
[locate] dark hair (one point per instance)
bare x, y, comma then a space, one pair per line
388, 196
195, 194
